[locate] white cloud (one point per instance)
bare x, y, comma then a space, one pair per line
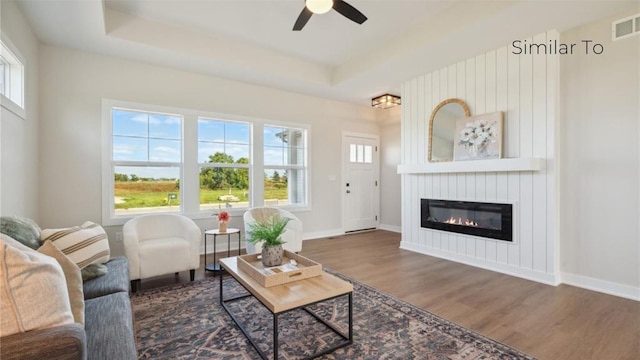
273, 156
140, 118
123, 149
166, 150
165, 153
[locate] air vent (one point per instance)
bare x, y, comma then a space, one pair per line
625, 28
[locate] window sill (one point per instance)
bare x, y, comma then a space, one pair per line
202, 215
12, 107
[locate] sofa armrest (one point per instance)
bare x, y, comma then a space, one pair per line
64, 342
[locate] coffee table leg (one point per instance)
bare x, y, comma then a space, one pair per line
276, 344
350, 318
275, 336
221, 299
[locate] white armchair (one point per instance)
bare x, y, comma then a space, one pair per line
159, 244
292, 234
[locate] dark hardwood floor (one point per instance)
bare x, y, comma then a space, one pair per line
547, 322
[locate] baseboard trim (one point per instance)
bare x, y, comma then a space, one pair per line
222, 245
392, 228
322, 234
603, 286
545, 278
584, 282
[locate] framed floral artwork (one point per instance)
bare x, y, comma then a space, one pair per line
478, 137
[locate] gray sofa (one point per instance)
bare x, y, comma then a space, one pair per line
107, 334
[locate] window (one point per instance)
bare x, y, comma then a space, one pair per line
4, 75
146, 161
360, 153
223, 157
285, 166
626, 27
11, 78
160, 159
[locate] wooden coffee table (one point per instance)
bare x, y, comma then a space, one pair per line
287, 297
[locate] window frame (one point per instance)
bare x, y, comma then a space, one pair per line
304, 167
12, 97
4, 73
190, 167
635, 27
227, 165
109, 164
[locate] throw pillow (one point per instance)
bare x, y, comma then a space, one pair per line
22, 229
34, 291
72, 276
84, 245
93, 271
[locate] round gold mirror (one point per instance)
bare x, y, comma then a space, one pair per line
442, 127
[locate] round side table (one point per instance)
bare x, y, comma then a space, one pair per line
214, 266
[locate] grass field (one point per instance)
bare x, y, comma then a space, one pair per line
143, 194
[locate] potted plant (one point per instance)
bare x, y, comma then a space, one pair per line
223, 219
269, 233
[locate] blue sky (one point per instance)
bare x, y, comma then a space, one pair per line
141, 136
146, 137
219, 136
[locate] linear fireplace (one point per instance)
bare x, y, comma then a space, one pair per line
489, 220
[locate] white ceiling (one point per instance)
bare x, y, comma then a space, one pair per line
332, 57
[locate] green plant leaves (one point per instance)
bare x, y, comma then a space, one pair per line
268, 232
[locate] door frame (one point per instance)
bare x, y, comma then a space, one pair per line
343, 177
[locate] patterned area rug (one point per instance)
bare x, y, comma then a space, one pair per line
187, 322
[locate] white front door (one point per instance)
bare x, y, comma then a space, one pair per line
360, 186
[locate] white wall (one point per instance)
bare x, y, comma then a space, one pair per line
390, 185
73, 84
599, 190
19, 137
524, 87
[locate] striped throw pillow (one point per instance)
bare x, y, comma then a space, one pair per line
84, 245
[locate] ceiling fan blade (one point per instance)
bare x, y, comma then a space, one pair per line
304, 16
349, 11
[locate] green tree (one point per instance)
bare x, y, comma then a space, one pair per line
225, 178
134, 177
121, 177
221, 158
217, 178
242, 175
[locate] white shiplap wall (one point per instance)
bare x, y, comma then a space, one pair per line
524, 87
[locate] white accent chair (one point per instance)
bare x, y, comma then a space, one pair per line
159, 244
292, 234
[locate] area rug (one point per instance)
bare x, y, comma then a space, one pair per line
187, 322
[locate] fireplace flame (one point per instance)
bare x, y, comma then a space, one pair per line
459, 221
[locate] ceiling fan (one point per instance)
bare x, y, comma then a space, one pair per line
322, 6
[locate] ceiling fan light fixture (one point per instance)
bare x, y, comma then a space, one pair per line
386, 101
319, 6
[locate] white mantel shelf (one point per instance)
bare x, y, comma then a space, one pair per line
494, 165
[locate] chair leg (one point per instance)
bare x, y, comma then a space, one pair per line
192, 274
